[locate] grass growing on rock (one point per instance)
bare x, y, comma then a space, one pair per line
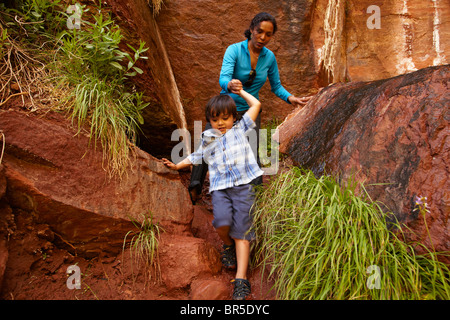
322, 241
83, 69
103, 96
144, 245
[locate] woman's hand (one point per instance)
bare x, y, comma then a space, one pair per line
299, 102
234, 86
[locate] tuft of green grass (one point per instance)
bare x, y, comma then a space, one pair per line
144, 245
321, 240
26, 45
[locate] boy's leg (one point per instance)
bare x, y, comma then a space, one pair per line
242, 257
223, 233
242, 233
242, 287
243, 197
223, 218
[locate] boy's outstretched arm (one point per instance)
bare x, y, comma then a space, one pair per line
183, 164
254, 104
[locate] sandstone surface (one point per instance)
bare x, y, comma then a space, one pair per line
186, 259
62, 179
392, 135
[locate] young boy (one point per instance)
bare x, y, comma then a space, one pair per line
232, 166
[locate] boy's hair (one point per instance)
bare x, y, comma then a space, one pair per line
222, 103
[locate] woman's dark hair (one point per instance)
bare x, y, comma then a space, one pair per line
260, 17
222, 103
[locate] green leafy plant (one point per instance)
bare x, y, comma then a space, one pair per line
103, 96
42, 16
26, 45
321, 240
144, 245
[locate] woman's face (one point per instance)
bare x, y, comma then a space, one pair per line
261, 34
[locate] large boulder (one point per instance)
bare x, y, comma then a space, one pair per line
184, 259
392, 135
61, 179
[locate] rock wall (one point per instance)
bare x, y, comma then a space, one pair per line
139, 18
165, 112
371, 40
319, 42
392, 135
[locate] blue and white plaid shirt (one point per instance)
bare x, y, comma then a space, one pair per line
229, 156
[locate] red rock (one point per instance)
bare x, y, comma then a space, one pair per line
2, 181
202, 226
209, 289
412, 35
3, 259
317, 43
62, 180
391, 132
184, 259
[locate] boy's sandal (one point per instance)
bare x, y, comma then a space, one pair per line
228, 256
242, 289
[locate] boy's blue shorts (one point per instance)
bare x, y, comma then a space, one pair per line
233, 207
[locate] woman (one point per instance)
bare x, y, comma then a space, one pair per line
247, 65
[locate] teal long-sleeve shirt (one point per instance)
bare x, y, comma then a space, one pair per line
236, 65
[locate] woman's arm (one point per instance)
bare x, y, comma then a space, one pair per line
279, 90
275, 82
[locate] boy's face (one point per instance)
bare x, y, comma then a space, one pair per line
223, 122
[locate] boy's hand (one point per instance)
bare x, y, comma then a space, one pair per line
169, 164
